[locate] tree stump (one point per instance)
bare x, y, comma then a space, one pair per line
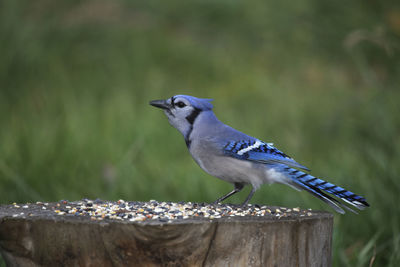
80, 234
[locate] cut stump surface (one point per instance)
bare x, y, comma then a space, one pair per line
100, 233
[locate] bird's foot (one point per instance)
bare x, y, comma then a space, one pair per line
245, 205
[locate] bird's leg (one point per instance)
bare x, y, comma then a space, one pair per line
249, 197
238, 188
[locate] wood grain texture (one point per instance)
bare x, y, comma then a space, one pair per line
51, 240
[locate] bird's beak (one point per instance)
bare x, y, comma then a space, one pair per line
160, 104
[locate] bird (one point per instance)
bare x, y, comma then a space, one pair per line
241, 160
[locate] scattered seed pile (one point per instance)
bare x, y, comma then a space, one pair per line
134, 211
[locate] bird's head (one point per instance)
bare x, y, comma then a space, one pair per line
183, 110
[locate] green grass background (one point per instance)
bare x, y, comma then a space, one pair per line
319, 79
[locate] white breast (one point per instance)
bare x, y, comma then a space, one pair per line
233, 170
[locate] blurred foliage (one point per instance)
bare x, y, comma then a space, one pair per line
319, 79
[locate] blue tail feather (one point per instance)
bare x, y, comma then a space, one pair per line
319, 188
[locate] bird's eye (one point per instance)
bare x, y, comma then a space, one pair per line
180, 104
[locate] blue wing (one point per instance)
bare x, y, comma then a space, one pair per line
258, 151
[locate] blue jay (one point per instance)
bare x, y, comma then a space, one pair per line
242, 160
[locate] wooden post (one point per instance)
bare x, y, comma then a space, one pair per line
41, 237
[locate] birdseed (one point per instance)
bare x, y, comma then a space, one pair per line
164, 212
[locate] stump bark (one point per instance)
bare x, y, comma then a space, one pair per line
40, 237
